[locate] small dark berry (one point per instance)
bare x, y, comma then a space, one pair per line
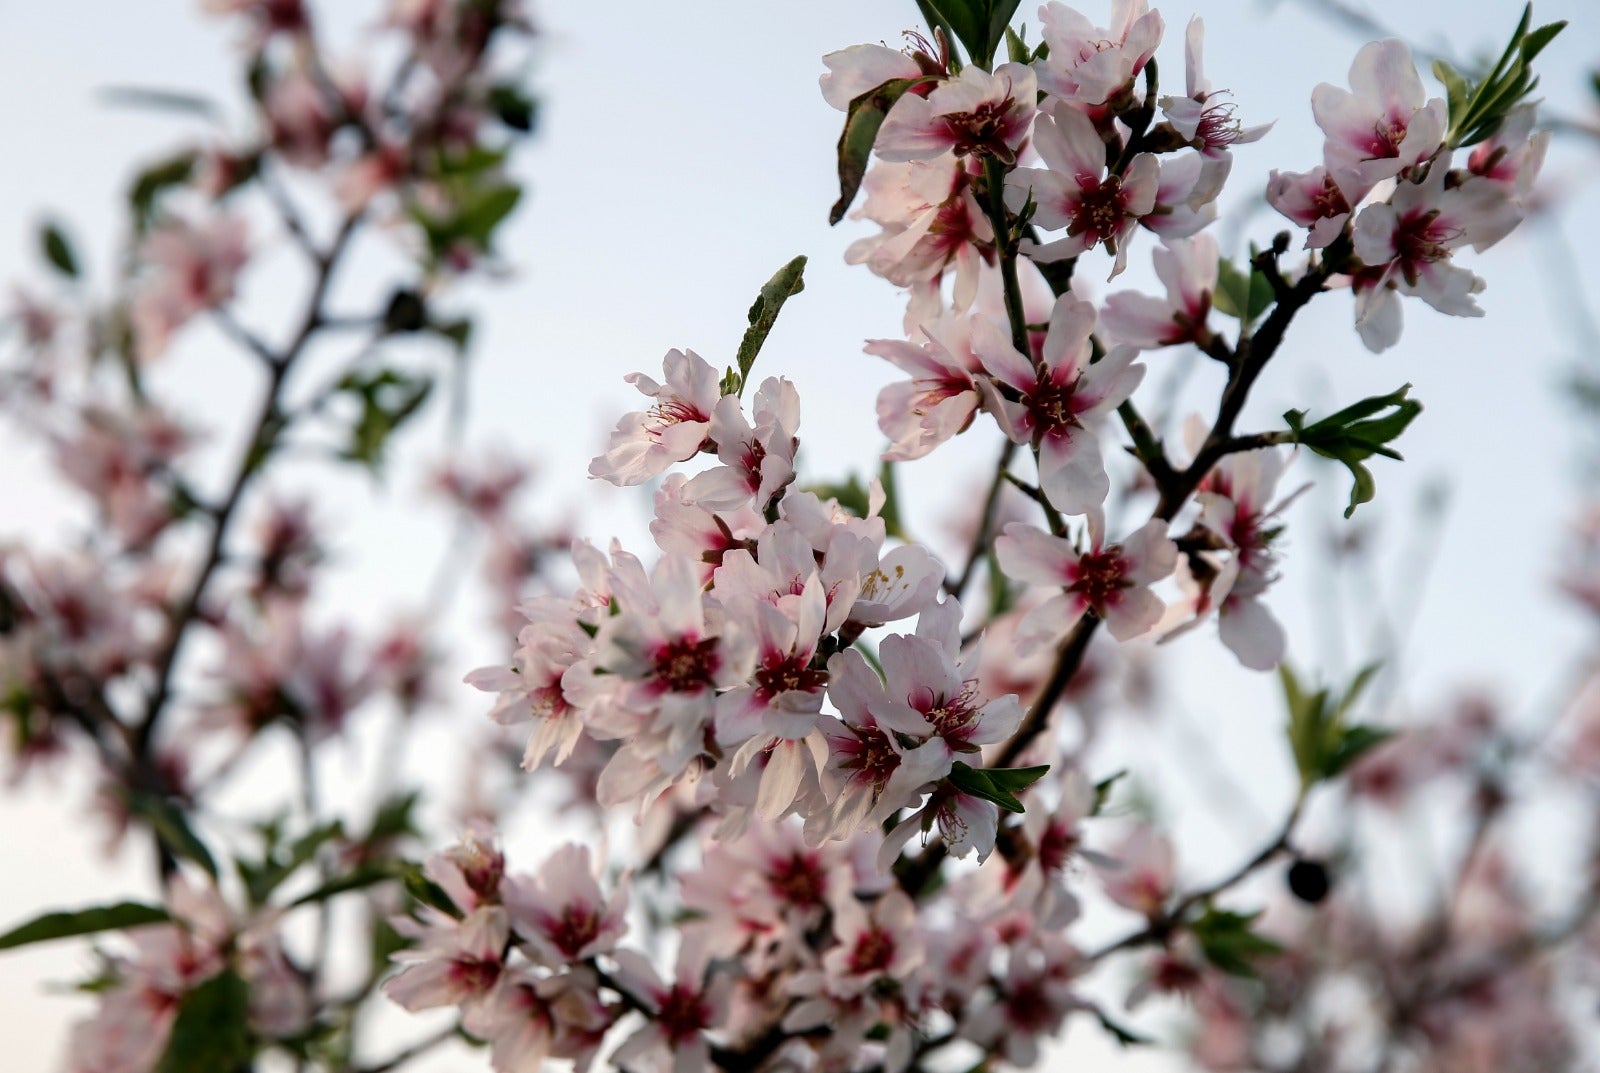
1309, 881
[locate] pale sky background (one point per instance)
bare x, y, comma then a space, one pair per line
685, 154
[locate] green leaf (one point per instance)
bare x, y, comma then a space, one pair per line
359, 879
485, 211
469, 163
155, 180
937, 22
999, 785
212, 1031
1321, 737
425, 890
67, 924
261, 880
1017, 779
980, 25
1000, 13
161, 100
1355, 434
1353, 743
787, 282
458, 330
861, 125
1244, 296
171, 828
393, 819
1230, 943
1455, 86
388, 399
513, 107
58, 251
481, 202
1477, 110
1102, 790
890, 513
1534, 43
1017, 48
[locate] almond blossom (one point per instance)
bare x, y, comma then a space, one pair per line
1406, 244
1113, 581
1513, 155
941, 398
1238, 518
679, 1013
1385, 125
860, 68
192, 267
757, 461
455, 962
1186, 194
873, 944
667, 665
676, 427
1057, 404
681, 527
976, 113
1236, 502
870, 773
1188, 268
1139, 871
531, 1019
1314, 201
1032, 999
530, 689
930, 221
1199, 117
1076, 192
561, 911
786, 688
928, 677
1088, 65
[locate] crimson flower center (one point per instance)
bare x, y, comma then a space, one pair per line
1218, 125
1422, 239
950, 717
784, 674
980, 131
1027, 1007
1386, 138
576, 927
873, 952
672, 411
1055, 405
1056, 846
687, 665
1101, 209
682, 1014
797, 880
873, 756
1100, 577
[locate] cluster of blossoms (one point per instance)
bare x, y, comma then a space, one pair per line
791, 954
179, 628
717, 663
1473, 978
206, 948
93, 636
1386, 190
806, 713
762, 682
